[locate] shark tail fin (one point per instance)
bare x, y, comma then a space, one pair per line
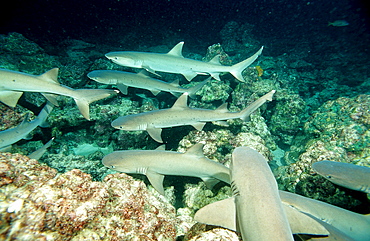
84, 97
244, 114
237, 69
197, 87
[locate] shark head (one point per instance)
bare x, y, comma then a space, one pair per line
125, 58
119, 161
102, 76
130, 123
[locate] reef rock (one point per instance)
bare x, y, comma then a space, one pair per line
37, 203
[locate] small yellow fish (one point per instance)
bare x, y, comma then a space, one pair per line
338, 23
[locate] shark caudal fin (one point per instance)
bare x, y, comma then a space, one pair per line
84, 97
237, 69
197, 87
244, 114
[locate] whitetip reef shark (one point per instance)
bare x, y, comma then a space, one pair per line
181, 114
256, 210
141, 80
155, 164
22, 131
345, 174
13, 84
174, 62
353, 225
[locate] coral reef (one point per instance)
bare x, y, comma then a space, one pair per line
38, 204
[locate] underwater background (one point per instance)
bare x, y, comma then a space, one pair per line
316, 56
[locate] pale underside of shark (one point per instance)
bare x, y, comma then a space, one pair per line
141, 80
22, 131
174, 62
155, 164
355, 226
180, 114
13, 84
345, 174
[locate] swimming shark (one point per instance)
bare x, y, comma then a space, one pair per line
256, 210
22, 131
180, 114
141, 80
155, 164
345, 174
354, 225
259, 212
40, 151
13, 84
174, 62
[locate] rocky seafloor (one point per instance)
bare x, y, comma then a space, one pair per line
69, 195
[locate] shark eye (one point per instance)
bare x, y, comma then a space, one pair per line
112, 167
328, 177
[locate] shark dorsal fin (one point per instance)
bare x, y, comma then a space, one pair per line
222, 108
175, 83
181, 102
215, 60
50, 76
177, 50
161, 148
196, 150
156, 180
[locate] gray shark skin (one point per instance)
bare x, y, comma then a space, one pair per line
39, 152
142, 81
353, 225
174, 62
345, 174
13, 84
155, 164
259, 211
180, 114
10, 136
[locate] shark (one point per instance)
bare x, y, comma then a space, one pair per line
40, 151
180, 114
351, 224
174, 62
22, 131
345, 174
141, 80
155, 164
14, 83
255, 209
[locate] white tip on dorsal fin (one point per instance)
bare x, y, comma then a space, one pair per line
196, 150
50, 76
222, 108
177, 50
215, 60
181, 102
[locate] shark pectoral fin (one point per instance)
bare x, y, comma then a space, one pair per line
300, 223
210, 182
155, 133
10, 98
122, 88
155, 92
199, 126
221, 213
161, 148
51, 98
147, 68
156, 180
189, 75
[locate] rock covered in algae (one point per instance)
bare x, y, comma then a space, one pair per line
339, 131
38, 204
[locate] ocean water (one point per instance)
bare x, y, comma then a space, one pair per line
320, 71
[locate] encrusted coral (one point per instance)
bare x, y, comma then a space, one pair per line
38, 204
